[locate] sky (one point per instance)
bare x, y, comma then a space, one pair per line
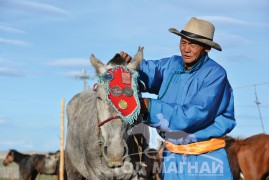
45, 45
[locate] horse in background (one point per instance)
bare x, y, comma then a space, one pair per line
21, 159
249, 156
32, 165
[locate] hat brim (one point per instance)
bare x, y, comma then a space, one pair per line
204, 41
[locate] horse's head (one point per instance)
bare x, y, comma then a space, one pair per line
117, 104
50, 162
9, 158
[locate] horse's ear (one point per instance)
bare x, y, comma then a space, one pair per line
135, 62
97, 64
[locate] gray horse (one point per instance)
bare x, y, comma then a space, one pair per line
96, 146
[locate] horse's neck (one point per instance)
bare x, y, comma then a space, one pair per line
229, 141
18, 157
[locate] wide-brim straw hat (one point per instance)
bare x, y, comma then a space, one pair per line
198, 30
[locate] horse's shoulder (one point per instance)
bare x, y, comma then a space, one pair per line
36, 158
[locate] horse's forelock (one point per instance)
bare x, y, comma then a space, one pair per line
117, 60
12, 151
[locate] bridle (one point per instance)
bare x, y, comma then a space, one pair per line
107, 120
123, 89
135, 139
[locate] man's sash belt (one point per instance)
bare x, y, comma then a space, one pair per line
197, 147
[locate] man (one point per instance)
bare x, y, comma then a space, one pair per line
194, 108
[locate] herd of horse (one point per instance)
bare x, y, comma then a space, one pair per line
31, 165
99, 144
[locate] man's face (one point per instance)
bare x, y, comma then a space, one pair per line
191, 50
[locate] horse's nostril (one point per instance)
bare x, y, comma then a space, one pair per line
4, 163
105, 150
125, 153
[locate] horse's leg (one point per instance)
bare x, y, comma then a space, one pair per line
72, 173
233, 160
34, 174
24, 173
158, 162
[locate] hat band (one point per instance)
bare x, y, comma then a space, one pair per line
192, 35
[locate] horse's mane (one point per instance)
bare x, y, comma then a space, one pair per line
233, 143
232, 147
17, 152
117, 60
18, 156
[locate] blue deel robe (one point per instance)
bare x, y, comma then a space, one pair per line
200, 103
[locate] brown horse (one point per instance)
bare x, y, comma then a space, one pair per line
249, 156
32, 165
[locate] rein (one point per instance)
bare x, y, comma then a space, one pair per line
107, 120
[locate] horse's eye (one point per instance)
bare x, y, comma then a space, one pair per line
107, 77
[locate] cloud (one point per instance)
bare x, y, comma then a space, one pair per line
14, 42
11, 72
3, 120
8, 28
16, 143
230, 40
10, 69
79, 74
69, 62
30, 7
74, 67
232, 21
223, 19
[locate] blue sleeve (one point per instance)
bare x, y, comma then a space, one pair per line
151, 73
222, 125
212, 102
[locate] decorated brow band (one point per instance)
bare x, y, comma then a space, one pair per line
122, 91
108, 75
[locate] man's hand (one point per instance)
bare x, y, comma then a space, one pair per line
125, 56
144, 103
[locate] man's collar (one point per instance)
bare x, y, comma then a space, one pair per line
195, 67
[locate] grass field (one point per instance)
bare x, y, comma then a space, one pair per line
42, 177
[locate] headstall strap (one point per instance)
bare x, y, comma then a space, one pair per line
107, 120
94, 87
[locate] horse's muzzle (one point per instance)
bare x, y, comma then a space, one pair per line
115, 158
5, 163
117, 163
